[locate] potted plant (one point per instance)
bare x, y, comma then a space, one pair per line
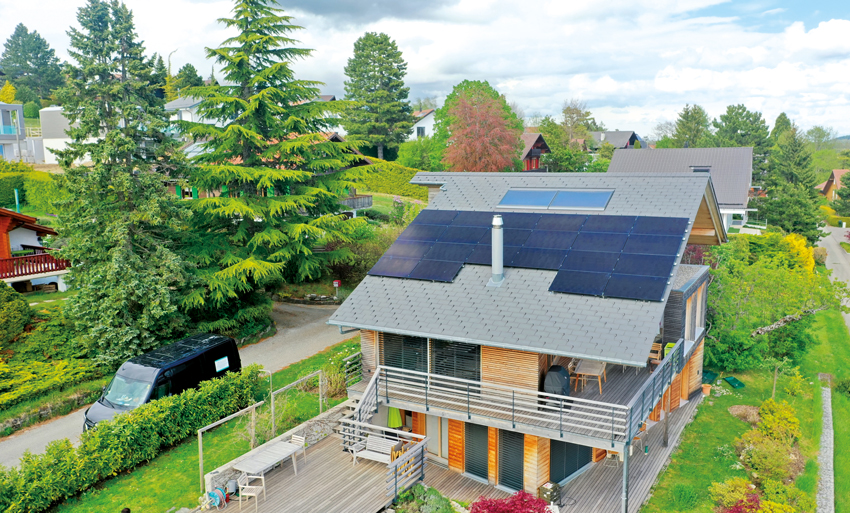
706, 389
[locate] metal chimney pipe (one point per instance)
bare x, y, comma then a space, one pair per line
498, 251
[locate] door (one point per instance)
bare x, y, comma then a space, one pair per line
511, 452
437, 430
475, 450
565, 459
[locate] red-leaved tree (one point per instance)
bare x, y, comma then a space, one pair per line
520, 502
480, 138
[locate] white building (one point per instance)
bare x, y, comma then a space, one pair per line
424, 126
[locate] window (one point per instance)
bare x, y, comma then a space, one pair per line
420, 132
701, 169
403, 352
565, 199
456, 360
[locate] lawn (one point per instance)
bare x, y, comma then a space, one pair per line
38, 297
32, 123
705, 454
171, 479
845, 245
384, 202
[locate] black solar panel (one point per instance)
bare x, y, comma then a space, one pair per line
434, 217
483, 255
595, 261
653, 244
607, 242
520, 220
424, 232
645, 265
561, 222
580, 282
450, 252
550, 239
464, 234
537, 258
466, 218
512, 237
609, 224
409, 249
394, 267
660, 226
626, 286
436, 270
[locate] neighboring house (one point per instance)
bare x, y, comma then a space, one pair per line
591, 292
424, 126
731, 171
185, 109
13, 141
619, 138
54, 125
23, 259
533, 147
830, 187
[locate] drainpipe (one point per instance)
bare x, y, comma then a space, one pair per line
498, 264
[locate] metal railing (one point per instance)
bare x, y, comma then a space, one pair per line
357, 202
353, 367
33, 131
652, 391
554, 413
31, 264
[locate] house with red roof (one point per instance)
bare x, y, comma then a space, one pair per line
830, 187
24, 261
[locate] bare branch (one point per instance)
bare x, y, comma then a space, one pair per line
788, 319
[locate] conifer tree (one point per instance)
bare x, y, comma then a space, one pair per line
160, 74
738, 127
28, 60
118, 227
188, 77
780, 126
274, 173
791, 161
383, 116
692, 127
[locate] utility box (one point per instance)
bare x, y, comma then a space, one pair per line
550, 492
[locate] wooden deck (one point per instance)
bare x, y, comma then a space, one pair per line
620, 388
600, 488
329, 483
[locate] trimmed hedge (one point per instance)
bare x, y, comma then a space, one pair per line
130, 439
391, 178
41, 191
8, 183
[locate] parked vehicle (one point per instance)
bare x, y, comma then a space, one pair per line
166, 371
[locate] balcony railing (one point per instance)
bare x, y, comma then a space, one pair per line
31, 264
652, 391
357, 202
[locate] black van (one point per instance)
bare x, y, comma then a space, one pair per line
166, 371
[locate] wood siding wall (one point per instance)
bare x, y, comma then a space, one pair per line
674, 318
418, 423
695, 369
510, 367
456, 445
493, 455
676, 390
535, 463
598, 454
369, 348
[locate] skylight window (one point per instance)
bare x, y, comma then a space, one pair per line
701, 169
554, 199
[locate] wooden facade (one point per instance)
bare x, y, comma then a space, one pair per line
535, 463
369, 348
456, 445
510, 367
418, 423
695, 369
492, 455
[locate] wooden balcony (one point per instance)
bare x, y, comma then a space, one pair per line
40, 262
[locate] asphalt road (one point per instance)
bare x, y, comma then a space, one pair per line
301, 332
837, 259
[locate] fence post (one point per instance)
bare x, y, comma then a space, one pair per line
321, 388
253, 427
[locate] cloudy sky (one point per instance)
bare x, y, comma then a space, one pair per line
635, 62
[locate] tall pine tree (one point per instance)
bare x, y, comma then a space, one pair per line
383, 116
119, 225
275, 175
739, 126
692, 127
791, 161
780, 126
28, 60
188, 77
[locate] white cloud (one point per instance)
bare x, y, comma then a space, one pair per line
634, 61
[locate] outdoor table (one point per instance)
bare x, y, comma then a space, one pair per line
591, 368
264, 460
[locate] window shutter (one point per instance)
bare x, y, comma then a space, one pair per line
456, 360
403, 352
511, 456
476, 450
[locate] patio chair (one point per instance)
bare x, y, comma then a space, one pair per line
246, 489
571, 368
656, 355
612, 459
639, 440
301, 442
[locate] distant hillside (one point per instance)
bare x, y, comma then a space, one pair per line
843, 138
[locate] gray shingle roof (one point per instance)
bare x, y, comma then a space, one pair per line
184, 102
619, 138
522, 313
731, 168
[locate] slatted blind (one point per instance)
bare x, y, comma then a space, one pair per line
566, 458
403, 352
456, 359
511, 455
476, 450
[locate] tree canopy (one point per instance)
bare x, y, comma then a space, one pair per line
188, 76
118, 225
565, 154
739, 126
792, 208
28, 60
692, 127
780, 126
791, 161
445, 123
272, 172
382, 116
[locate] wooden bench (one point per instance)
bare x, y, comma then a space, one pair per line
375, 448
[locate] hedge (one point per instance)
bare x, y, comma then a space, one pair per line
41, 191
391, 178
130, 439
8, 183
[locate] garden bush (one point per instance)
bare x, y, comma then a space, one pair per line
394, 179
126, 441
779, 421
15, 314
820, 255
520, 502
28, 380
776, 492
749, 504
42, 191
8, 183
843, 386
31, 109
685, 497
375, 215
730, 492
768, 458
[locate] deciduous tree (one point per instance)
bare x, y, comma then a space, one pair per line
565, 155
28, 60
415, 154
25, 95
119, 225
7, 93
480, 140
382, 116
276, 176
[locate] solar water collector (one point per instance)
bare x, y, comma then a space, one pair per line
609, 256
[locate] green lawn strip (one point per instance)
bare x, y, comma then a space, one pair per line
32, 123
733, 230
706, 452
171, 479
42, 297
845, 245
320, 288
58, 401
384, 202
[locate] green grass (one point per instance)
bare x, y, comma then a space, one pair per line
845, 245
733, 230
699, 462
384, 202
56, 398
41, 297
32, 123
172, 480
320, 288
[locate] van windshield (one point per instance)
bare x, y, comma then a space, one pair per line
126, 392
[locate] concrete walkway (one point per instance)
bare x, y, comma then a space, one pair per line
302, 331
826, 482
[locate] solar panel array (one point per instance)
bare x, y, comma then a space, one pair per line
612, 256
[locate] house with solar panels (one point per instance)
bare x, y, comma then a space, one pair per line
540, 329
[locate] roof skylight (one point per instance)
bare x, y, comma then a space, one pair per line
557, 199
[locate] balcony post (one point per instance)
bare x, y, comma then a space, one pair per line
387, 387
625, 507
561, 418
468, 414
513, 408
